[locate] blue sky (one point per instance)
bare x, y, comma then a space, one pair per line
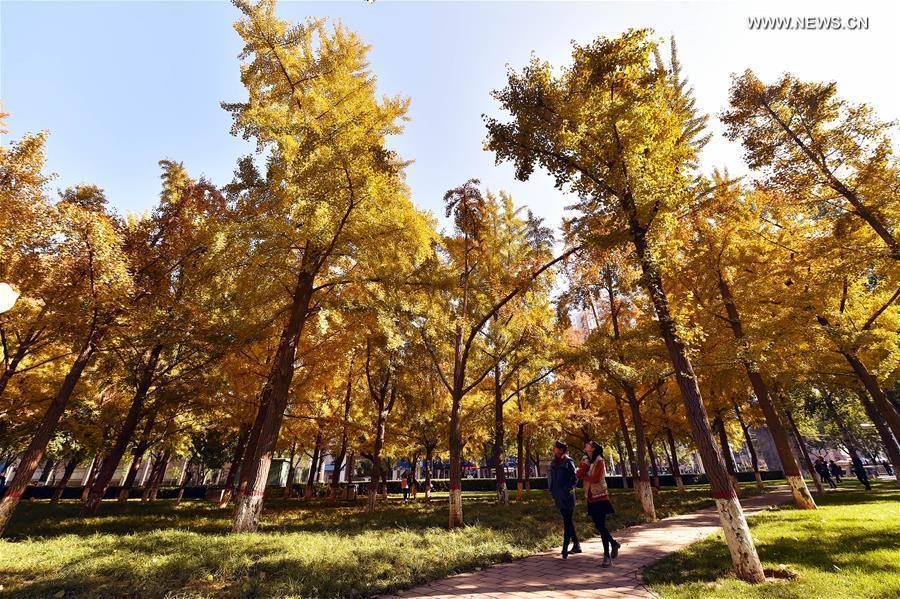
121, 85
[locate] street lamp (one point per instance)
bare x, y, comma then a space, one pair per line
8, 297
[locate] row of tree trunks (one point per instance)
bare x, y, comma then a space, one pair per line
156, 477
34, 453
64, 480
888, 411
137, 458
234, 468
673, 461
135, 411
342, 452
642, 484
804, 452
429, 468
754, 459
654, 467
719, 426
622, 462
309, 491
623, 427
799, 491
849, 442
744, 557
520, 460
887, 439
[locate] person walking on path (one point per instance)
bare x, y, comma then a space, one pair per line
561, 481
593, 471
859, 470
822, 468
836, 471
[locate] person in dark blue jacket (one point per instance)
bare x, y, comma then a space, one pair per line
561, 481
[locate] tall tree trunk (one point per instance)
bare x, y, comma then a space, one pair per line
383, 407
499, 440
654, 467
734, 524
622, 461
289, 483
642, 486
159, 475
891, 448
520, 460
183, 479
98, 461
800, 492
309, 493
719, 426
456, 445
272, 404
33, 454
62, 482
155, 465
632, 463
339, 461
351, 465
429, 468
111, 463
137, 457
235, 466
754, 459
49, 465
804, 452
673, 461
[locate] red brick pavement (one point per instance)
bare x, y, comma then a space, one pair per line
546, 575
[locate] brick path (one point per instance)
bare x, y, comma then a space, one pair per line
546, 575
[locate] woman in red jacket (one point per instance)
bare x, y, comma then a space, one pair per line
593, 471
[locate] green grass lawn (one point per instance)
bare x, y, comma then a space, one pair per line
848, 548
302, 549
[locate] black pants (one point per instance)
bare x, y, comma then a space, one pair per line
827, 478
863, 478
597, 512
405, 493
568, 529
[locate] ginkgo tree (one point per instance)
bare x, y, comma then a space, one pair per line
330, 210
620, 129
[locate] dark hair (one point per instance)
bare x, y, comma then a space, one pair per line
597, 451
562, 446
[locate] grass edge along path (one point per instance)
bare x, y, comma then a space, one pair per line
848, 548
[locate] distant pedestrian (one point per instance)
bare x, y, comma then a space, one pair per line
404, 486
859, 470
888, 468
836, 471
822, 468
561, 481
593, 471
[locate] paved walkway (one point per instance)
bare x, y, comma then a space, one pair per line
546, 575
